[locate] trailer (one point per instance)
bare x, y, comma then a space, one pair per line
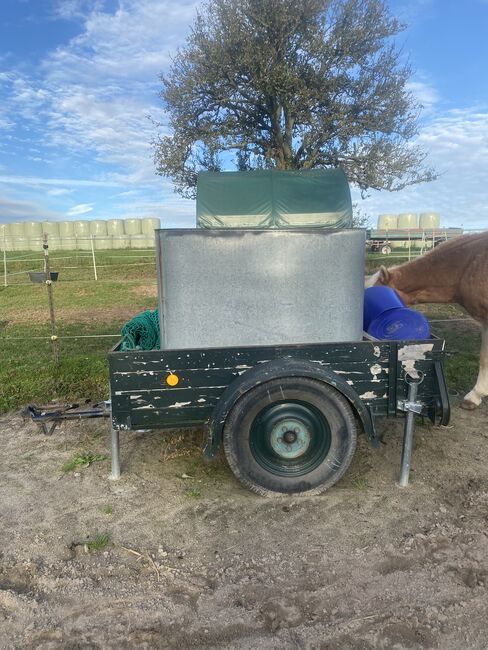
287, 416
384, 241
261, 341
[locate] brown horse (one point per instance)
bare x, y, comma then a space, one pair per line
456, 271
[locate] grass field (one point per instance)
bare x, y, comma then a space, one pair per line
126, 286
84, 308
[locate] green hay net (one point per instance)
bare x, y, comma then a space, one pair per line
142, 332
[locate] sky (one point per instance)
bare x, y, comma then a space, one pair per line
79, 84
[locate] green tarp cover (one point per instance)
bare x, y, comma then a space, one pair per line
316, 198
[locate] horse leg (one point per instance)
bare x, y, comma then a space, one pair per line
474, 397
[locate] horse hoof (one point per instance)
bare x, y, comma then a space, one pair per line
468, 406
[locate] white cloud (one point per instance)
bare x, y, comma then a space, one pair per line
87, 102
35, 181
59, 191
82, 208
424, 92
12, 209
457, 146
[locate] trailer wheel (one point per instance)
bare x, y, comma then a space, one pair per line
290, 435
386, 249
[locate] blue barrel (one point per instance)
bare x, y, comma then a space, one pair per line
387, 318
377, 300
400, 324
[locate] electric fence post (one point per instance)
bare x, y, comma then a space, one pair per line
47, 271
4, 257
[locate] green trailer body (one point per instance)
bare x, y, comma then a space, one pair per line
193, 387
373, 370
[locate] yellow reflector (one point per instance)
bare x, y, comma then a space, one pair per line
172, 380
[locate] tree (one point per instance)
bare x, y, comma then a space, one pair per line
360, 218
291, 84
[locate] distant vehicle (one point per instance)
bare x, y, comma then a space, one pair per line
384, 241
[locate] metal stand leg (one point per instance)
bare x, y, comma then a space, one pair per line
115, 475
408, 433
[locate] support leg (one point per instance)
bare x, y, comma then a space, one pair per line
408, 436
473, 399
115, 475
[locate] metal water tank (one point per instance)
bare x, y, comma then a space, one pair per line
82, 234
408, 220
430, 221
387, 221
269, 286
115, 228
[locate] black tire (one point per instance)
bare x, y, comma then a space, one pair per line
291, 435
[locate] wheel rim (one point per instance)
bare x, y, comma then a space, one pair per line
290, 438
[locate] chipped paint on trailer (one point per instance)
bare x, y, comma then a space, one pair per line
178, 405
368, 395
414, 352
375, 371
135, 372
163, 389
201, 400
350, 382
409, 354
377, 351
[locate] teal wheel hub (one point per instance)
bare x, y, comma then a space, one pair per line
290, 438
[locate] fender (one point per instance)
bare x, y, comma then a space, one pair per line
264, 372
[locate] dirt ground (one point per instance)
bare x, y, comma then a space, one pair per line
196, 561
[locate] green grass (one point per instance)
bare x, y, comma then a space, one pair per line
193, 492
28, 373
78, 265
98, 543
82, 459
360, 484
108, 510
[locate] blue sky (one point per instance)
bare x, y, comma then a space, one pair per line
79, 78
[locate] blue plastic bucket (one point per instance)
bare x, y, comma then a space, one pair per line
377, 300
400, 323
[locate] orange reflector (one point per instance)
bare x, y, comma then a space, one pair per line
172, 380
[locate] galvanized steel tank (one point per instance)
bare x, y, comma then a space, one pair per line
221, 288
